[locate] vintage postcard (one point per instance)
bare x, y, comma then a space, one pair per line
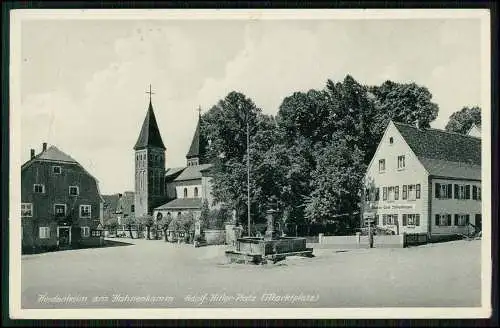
250, 164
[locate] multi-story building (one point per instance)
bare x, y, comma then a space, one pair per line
61, 204
425, 181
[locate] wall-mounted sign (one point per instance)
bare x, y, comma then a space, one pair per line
392, 206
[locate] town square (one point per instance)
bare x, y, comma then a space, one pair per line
204, 162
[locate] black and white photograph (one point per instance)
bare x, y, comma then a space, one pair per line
250, 163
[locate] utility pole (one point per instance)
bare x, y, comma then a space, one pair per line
248, 175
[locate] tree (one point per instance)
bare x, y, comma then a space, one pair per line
225, 126
204, 215
147, 221
338, 179
111, 224
406, 103
163, 221
462, 120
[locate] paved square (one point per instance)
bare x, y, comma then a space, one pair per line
156, 274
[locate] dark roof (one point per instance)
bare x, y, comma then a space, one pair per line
52, 154
172, 173
110, 201
193, 172
443, 153
119, 204
181, 203
194, 149
150, 134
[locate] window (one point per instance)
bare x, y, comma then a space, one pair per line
377, 194
411, 192
377, 217
85, 231
389, 219
390, 195
132, 208
185, 192
391, 140
381, 165
74, 191
443, 219
179, 214
195, 191
411, 220
96, 233
417, 191
461, 219
85, 211
60, 210
26, 210
405, 192
396, 193
384, 193
44, 232
56, 169
463, 192
39, 188
443, 191
401, 162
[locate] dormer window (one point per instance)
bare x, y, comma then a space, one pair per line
74, 191
56, 169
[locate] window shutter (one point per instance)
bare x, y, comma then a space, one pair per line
405, 191
384, 219
474, 192
449, 219
418, 191
404, 219
396, 192
449, 190
456, 191
417, 223
437, 189
467, 192
467, 218
456, 219
384, 193
395, 217
437, 219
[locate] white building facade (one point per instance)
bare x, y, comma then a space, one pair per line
425, 182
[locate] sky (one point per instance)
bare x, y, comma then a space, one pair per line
84, 82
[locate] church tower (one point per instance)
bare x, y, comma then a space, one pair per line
197, 150
149, 166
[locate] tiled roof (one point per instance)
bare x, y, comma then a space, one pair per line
194, 149
172, 173
442, 168
55, 154
192, 172
110, 201
444, 153
150, 134
182, 203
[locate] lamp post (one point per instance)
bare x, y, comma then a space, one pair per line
248, 175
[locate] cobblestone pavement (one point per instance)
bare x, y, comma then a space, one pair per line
153, 273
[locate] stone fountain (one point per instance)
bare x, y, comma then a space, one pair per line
271, 247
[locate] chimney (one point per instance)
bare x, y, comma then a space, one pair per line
44, 146
32, 152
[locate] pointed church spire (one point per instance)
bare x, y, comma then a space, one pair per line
197, 148
150, 134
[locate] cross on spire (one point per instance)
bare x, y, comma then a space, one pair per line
199, 110
150, 92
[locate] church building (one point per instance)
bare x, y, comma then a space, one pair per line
172, 191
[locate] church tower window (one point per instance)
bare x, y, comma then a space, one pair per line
195, 191
185, 192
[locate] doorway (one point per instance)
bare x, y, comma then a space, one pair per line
63, 237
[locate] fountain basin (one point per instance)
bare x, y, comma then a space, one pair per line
260, 250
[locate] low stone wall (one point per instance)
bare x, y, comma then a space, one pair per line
358, 241
215, 237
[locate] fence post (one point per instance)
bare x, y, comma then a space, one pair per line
405, 243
